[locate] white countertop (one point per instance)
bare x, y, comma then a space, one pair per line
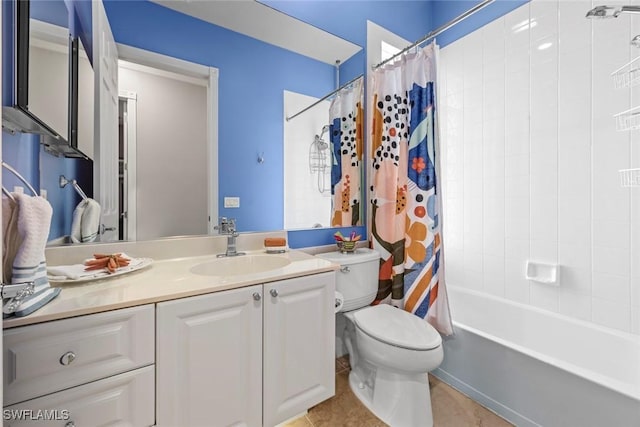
164, 280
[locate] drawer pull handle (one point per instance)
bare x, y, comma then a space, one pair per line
67, 358
273, 292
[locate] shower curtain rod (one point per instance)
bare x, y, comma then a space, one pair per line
326, 96
437, 31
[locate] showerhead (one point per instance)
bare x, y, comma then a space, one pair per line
604, 12
320, 143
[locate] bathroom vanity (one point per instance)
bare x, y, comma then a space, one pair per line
169, 347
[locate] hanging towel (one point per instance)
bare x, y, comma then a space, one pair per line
86, 221
11, 239
33, 222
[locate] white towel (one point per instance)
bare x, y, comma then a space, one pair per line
76, 271
34, 220
86, 221
11, 238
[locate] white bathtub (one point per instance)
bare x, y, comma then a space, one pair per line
538, 368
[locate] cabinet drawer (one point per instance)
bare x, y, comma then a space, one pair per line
124, 400
41, 359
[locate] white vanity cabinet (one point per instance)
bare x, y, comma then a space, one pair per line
88, 371
253, 356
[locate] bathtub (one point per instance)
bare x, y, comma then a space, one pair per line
537, 368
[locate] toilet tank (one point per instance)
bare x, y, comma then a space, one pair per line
357, 279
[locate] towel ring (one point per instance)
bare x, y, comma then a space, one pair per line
9, 195
20, 177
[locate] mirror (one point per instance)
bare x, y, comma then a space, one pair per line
253, 78
42, 57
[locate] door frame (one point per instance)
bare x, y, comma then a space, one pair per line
130, 177
190, 70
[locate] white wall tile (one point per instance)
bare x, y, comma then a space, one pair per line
516, 287
611, 314
635, 320
575, 268
533, 156
544, 296
494, 275
574, 305
612, 261
611, 288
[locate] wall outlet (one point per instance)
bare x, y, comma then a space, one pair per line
232, 202
43, 194
18, 189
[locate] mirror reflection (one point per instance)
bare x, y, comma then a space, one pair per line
48, 64
250, 175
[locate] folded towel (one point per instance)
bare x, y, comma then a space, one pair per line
86, 221
33, 222
77, 272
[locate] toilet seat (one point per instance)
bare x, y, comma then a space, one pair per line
397, 327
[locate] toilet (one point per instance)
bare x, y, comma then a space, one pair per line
390, 350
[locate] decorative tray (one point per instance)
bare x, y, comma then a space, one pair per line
55, 274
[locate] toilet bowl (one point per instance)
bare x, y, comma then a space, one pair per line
390, 350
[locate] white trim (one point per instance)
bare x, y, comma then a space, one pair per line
212, 148
130, 132
198, 81
163, 62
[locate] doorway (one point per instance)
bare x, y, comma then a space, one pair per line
167, 146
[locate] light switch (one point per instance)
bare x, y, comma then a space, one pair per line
232, 202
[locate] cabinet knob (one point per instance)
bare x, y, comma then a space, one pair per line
67, 358
345, 269
70, 424
257, 296
273, 292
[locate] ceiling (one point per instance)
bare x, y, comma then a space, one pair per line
264, 23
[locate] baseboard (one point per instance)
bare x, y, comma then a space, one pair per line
484, 400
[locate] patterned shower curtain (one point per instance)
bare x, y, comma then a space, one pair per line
406, 216
346, 131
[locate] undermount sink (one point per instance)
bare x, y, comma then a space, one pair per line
240, 265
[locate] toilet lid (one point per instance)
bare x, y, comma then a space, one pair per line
397, 327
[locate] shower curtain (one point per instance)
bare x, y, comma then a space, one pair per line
346, 118
406, 223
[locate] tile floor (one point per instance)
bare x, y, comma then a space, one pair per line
450, 407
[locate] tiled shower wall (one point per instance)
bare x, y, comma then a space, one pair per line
531, 157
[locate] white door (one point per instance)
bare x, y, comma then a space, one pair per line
209, 360
299, 345
105, 171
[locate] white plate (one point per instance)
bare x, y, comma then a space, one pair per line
99, 275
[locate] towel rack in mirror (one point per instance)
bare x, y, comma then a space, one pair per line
64, 181
20, 177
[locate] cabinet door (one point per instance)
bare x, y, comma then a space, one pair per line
299, 341
209, 360
124, 400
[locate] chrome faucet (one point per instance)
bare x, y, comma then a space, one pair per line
227, 226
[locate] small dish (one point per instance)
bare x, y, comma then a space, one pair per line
137, 264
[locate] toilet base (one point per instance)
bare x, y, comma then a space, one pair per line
399, 400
